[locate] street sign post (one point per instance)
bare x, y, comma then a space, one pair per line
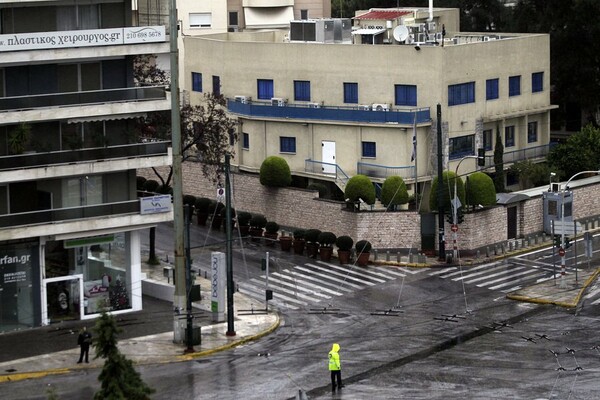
561, 252
454, 228
568, 228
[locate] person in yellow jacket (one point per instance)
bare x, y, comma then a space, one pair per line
335, 367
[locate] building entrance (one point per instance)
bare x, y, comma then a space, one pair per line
63, 299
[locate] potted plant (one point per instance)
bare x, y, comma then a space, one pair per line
189, 200
243, 222
257, 224
215, 212
363, 252
344, 244
202, 206
271, 233
326, 241
312, 242
223, 215
285, 241
19, 137
299, 241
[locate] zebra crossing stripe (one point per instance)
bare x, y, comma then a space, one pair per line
468, 275
254, 291
442, 271
300, 284
593, 292
345, 275
466, 272
512, 281
360, 273
299, 277
331, 278
494, 275
280, 289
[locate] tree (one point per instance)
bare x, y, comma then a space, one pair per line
480, 189
530, 174
275, 172
581, 152
393, 192
359, 187
448, 180
119, 380
499, 162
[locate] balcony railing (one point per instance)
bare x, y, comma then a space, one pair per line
70, 213
84, 155
334, 170
18, 103
383, 171
330, 113
530, 153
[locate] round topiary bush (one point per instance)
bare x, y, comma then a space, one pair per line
448, 179
258, 221
275, 172
299, 234
393, 192
480, 189
165, 189
360, 187
243, 218
272, 227
139, 182
202, 205
326, 239
363, 246
189, 199
321, 188
312, 235
344, 243
151, 185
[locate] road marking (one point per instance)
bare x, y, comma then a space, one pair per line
253, 291
360, 273
441, 271
279, 289
343, 282
345, 276
468, 274
300, 276
493, 275
295, 286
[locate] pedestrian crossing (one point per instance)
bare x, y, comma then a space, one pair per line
312, 283
505, 276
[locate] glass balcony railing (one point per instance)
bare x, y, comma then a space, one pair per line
19, 103
35, 160
330, 113
383, 171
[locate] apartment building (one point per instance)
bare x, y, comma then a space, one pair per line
337, 98
70, 217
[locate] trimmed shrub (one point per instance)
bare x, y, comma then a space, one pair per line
189, 199
480, 189
272, 227
321, 188
312, 235
258, 221
393, 192
299, 234
344, 243
448, 179
165, 189
275, 172
243, 218
360, 186
139, 182
326, 239
363, 246
202, 204
151, 185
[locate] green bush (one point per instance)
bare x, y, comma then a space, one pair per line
321, 188
189, 199
480, 189
326, 239
448, 179
258, 221
151, 185
202, 205
344, 243
360, 186
165, 189
299, 234
243, 218
312, 235
363, 246
275, 172
139, 182
394, 192
272, 227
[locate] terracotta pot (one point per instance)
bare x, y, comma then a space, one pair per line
344, 256
244, 230
362, 259
256, 234
216, 222
285, 242
312, 249
272, 238
299, 246
325, 253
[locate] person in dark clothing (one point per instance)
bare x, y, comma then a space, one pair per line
84, 340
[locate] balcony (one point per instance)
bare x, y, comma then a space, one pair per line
20, 103
329, 113
530, 153
384, 171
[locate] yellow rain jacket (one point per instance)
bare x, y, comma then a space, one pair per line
334, 358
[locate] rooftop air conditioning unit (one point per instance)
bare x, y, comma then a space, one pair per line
243, 99
381, 107
314, 105
364, 107
278, 101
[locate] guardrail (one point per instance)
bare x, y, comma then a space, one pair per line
320, 167
383, 171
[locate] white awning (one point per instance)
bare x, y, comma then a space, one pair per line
368, 31
268, 17
110, 117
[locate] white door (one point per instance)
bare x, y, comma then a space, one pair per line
328, 157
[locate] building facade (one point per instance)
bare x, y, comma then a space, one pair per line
70, 217
334, 107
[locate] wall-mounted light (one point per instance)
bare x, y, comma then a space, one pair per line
418, 48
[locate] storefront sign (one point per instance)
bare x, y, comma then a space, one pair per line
82, 38
88, 241
13, 277
218, 286
155, 204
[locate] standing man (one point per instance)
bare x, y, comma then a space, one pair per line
84, 340
335, 367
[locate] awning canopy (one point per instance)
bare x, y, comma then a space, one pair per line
109, 117
382, 14
510, 198
268, 17
368, 31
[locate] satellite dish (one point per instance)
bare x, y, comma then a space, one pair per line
400, 33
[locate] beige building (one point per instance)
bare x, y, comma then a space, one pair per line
335, 108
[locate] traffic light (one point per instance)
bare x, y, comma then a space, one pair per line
568, 243
557, 241
460, 217
450, 218
481, 157
263, 264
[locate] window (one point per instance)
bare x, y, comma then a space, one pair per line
461, 146
532, 135
216, 83
233, 18
303, 14
287, 144
514, 85
351, 92
302, 90
537, 82
491, 89
487, 139
196, 82
462, 93
245, 141
406, 95
509, 136
200, 20
264, 89
369, 149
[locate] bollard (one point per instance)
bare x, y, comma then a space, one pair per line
387, 255
487, 251
398, 257
503, 248
375, 253
543, 237
518, 244
510, 246
478, 255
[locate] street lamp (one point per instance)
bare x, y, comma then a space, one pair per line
455, 207
552, 175
562, 218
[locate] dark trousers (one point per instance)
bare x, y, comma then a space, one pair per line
85, 350
336, 375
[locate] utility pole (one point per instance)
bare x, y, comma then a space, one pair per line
440, 193
228, 255
188, 283
179, 299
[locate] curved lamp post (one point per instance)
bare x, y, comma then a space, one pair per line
455, 209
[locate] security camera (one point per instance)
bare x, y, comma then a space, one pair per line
361, 201
479, 206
